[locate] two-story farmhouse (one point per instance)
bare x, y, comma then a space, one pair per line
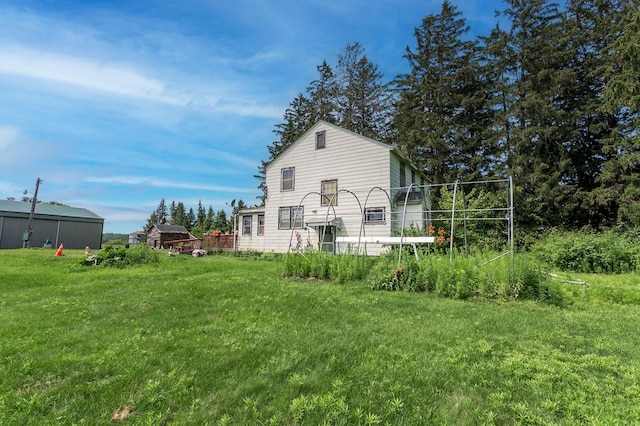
332, 188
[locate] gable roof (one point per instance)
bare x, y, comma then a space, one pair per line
170, 229
319, 123
45, 209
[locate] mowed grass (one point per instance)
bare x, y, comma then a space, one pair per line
223, 340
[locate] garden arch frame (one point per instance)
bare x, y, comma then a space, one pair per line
454, 215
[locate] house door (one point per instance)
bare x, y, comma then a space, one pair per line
327, 238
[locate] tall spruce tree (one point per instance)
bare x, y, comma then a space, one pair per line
323, 93
436, 114
537, 157
363, 101
620, 179
587, 25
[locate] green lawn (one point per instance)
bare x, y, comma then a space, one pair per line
223, 340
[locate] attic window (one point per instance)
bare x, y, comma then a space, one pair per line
320, 140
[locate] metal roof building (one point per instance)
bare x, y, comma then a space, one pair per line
73, 226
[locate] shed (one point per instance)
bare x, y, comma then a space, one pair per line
75, 227
159, 234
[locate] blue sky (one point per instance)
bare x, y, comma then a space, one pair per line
118, 104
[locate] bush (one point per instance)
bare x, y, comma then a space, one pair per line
120, 257
589, 252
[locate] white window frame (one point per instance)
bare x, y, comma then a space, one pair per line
369, 213
260, 224
286, 217
326, 197
246, 227
288, 184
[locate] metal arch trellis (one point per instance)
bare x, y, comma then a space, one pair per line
364, 209
509, 215
330, 207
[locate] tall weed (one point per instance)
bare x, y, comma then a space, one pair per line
485, 275
589, 252
339, 268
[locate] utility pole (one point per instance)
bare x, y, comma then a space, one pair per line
27, 235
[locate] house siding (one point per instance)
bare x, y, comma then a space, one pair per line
336, 161
358, 164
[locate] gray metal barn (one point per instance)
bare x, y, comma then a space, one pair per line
73, 226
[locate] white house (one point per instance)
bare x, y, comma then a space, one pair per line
335, 187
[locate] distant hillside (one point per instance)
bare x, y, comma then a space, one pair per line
110, 238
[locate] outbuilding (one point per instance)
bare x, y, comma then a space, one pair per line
52, 224
159, 234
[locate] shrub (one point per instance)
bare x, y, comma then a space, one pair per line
120, 257
589, 252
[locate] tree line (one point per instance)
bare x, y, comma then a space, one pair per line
552, 100
197, 222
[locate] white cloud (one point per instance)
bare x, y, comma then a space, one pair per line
136, 180
114, 79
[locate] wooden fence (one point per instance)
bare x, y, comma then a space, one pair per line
219, 242
215, 242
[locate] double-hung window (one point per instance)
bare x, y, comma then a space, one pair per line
287, 180
246, 225
290, 217
403, 175
328, 191
260, 224
374, 215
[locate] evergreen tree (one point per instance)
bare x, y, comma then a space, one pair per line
436, 122
172, 212
190, 219
221, 223
620, 180
158, 216
354, 98
180, 216
152, 220
208, 222
201, 215
161, 212
363, 101
537, 160
587, 25
323, 93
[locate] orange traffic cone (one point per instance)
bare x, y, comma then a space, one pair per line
59, 252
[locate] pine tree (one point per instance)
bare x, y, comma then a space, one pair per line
363, 101
537, 159
221, 223
620, 179
180, 216
435, 122
323, 93
208, 222
190, 219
